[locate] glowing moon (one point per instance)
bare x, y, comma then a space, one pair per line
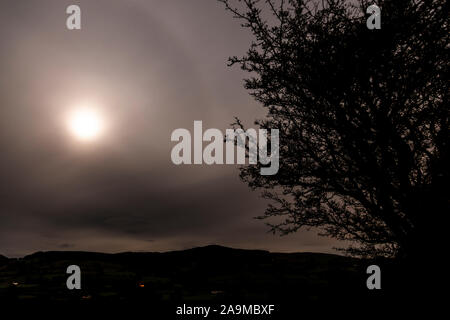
85, 124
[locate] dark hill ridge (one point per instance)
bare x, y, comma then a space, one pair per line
3, 259
212, 254
211, 274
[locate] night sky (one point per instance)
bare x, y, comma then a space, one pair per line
148, 67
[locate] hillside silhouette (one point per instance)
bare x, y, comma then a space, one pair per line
211, 275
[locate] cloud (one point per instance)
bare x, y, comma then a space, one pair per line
153, 67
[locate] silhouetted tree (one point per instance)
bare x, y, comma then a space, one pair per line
363, 118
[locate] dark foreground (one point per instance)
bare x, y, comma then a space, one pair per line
159, 283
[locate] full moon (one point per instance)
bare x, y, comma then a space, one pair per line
85, 124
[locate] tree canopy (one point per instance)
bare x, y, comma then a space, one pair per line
363, 118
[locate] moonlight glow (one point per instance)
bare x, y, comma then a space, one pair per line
85, 124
